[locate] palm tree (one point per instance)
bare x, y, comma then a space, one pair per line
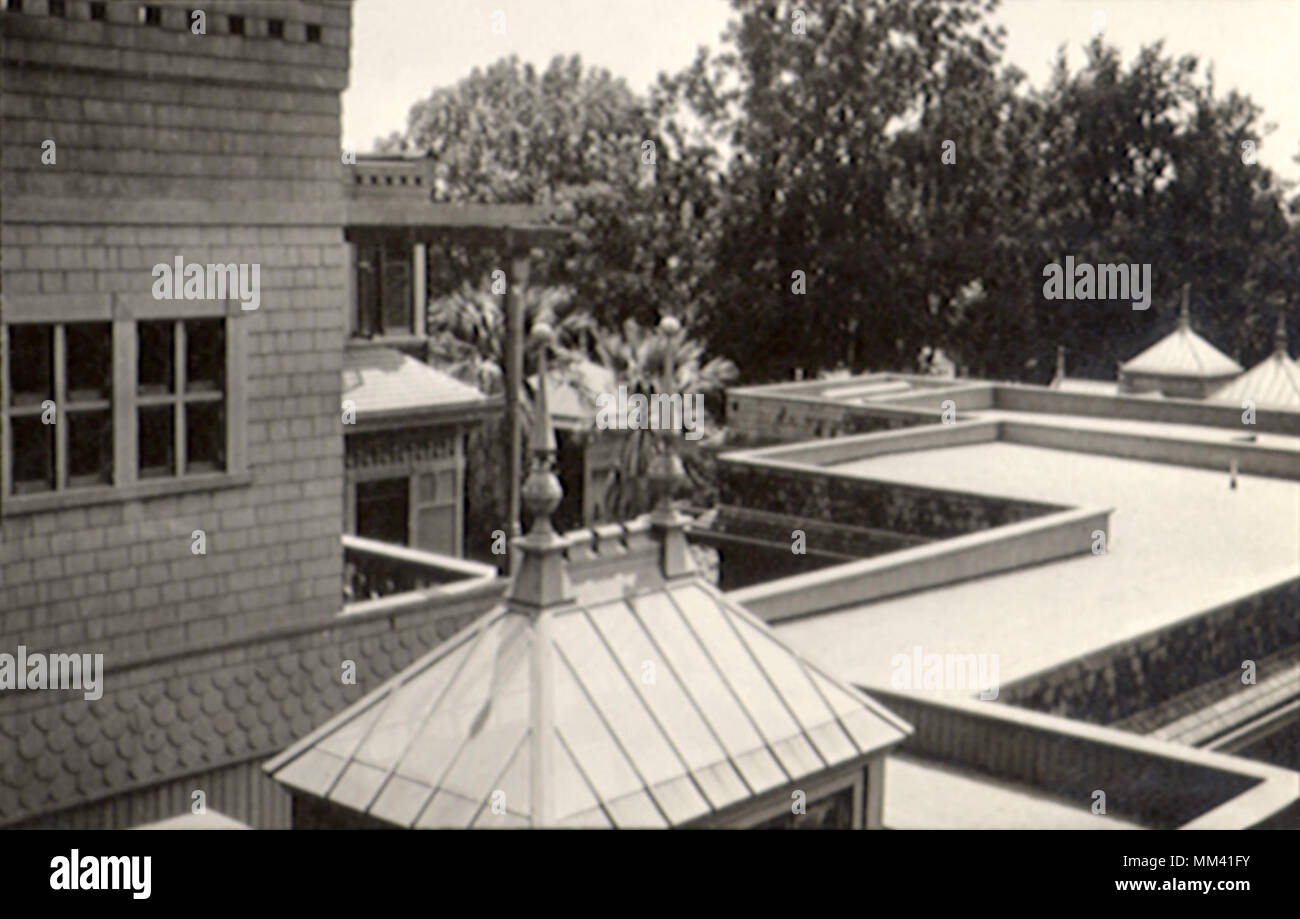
650, 361
467, 337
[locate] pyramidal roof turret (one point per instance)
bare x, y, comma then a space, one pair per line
612, 687
1273, 383
1182, 353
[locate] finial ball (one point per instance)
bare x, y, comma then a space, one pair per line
542, 334
670, 324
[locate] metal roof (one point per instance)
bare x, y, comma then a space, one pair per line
1272, 383
650, 711
1182, 353
384, 382
645, 698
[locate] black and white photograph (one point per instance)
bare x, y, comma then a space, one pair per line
551, 415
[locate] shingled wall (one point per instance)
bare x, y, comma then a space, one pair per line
220, 148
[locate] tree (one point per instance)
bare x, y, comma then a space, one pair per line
467, 338
640, 360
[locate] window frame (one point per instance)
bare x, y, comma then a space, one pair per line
454, 466
124, 313
415, 260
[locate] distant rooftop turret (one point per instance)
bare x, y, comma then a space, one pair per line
1180, 365
1273, 383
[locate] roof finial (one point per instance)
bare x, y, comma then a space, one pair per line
667, 475
542, 489
542, 579
1184, 313
1060, 365
1279, 334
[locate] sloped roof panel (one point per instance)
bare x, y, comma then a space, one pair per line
1182, 353
652, 710
1272, 383
382, 380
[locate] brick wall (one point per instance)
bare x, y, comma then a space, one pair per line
219, 148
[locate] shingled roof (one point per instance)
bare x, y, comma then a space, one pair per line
642, 697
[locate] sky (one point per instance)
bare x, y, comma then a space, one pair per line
403, 49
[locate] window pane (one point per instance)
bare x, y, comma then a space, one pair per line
205, 355
157, 442
205, 437
436, 530
33, 455
89, 361
157, 354
31, 363
397, 287
367, 290
90, 448
382, 508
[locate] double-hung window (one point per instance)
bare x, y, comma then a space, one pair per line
102, 400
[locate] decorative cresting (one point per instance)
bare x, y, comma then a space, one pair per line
1279, 334
402, 447
542, 579
666, 476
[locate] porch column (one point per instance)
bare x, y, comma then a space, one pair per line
418, 295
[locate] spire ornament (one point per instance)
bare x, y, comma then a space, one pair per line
542, 579
667, 475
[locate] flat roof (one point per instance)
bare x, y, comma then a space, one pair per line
1181, 541
921, 794
1202, 433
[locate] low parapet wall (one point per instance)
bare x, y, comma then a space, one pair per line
1159, 784
856, 500
1251, 458
1003, 548
864, 446
1139, 673
1019, 397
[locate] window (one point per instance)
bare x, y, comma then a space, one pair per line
150, 15
236, 24
89, 407
180, 397
97, 10
58, 8
60, 406
833, 812
313, 32
275, 28
383, 509
383, 288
